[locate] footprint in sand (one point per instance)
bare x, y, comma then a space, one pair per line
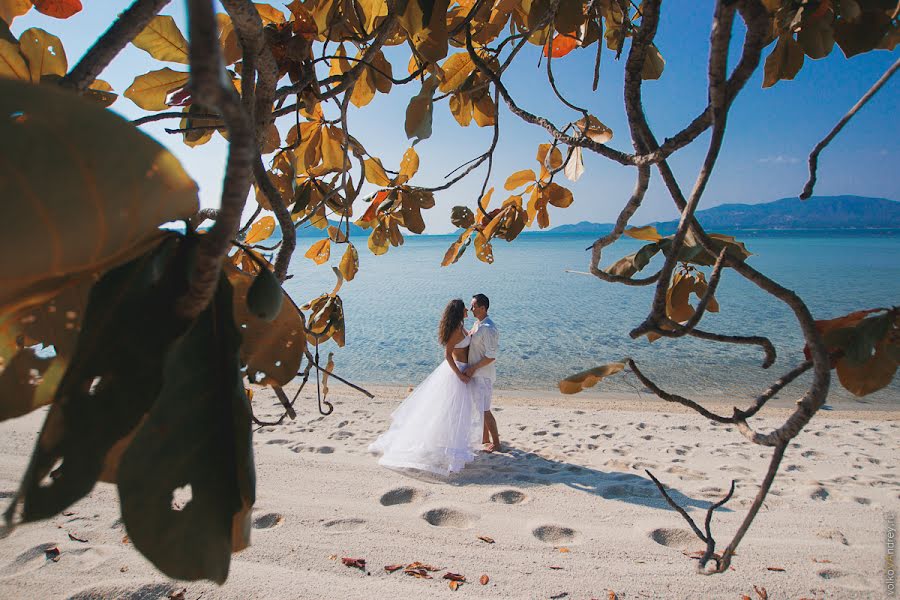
344, 525
616, 492
833, 534
819, 493
449, 517
680, 539
30, 560
341, 435
508, 497
148, 590
401, 495
268, 521
279, 442
553, 534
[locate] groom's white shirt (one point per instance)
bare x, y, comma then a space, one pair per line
485, 343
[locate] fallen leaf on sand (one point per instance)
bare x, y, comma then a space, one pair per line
454, 585
356, 563
563, 549
125, 539
75, 538
761, 592
332, 557
179, 595
455, 577
52, 553
392, 568
419, 565
821, 560
485, 538
124, 569
417, 573
67, 513
484, 580
776, 569
556, 568
746, 597
611, 595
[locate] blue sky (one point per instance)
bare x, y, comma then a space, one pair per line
770, 131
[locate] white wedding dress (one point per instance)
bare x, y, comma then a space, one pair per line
437, 428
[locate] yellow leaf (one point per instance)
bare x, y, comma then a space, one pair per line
228, 41
372, 10
461, 107
271, 140
12, 63
382, 72
485, 111
654, 63
350, 263
586, 379
431, 40
555, 159
269, 14
457, 248
10, 9
336, 234
162, 40
483, 249
409, 165
104, 202
329, 368
519, 178
200, 136
457, 69
375, 172
44, 53
331, 148
647, 232
378, 240
364, 88
260, 230
677, 298
486, 199
339, 64
319, 252
150, 90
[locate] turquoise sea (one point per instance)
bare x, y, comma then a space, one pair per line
555, 323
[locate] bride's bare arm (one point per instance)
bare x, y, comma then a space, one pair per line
456, 338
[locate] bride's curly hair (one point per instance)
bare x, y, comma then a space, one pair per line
452, 318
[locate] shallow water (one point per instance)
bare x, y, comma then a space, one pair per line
555, 323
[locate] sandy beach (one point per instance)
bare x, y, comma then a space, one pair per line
568, 506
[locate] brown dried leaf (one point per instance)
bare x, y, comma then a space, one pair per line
392, 568
589, 378
355, 563
563, 549
454, 585
761, 592
455, 577
485, 538
484, 579
556, 568
776, 569
75, 538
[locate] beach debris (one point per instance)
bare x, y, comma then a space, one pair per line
455, 577
418, 573
392, 568
821, 560
761, 592
125, 539
454, 585
67, 513
776, 569
332, 557
563, 549
124, 569
611, 595
419, 565
484, 579
75, 538
560, 595
354, 563
52, 553
486, 539
179, 595
556, 568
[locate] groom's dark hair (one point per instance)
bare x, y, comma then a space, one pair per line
482, 300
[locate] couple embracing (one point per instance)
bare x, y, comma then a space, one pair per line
447, 419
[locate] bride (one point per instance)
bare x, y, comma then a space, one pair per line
437, 428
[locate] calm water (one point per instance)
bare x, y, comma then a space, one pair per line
555, 323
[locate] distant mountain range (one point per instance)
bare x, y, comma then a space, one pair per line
819, 212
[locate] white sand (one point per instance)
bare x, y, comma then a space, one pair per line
573, 478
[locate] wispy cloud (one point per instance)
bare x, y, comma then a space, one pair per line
780, 159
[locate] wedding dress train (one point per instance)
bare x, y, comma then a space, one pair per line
437, 428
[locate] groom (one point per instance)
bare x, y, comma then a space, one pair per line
482, 354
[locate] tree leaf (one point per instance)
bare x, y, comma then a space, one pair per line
484, 111
654, 63
457, 69
10, 9
339, 64
329, 368
12, 63
409, 166
419, 111
320, 251
557, 195
101, 92
594, 129
784, 62
197, 434
269, 14
364, 88
150, 90
519, 178
575, 167
228, 40
586, 379
428, 34
455, 251
265, 296
272, 349
260, 230
561, 45
375, 173
196, 137
162, 40
461, 107
104, 203
381, 71
647, 233
60, 9
870, 376
349, 263
462, 216
44, 53
816, 37
549, 156
862, 34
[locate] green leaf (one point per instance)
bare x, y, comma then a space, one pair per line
197, 434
